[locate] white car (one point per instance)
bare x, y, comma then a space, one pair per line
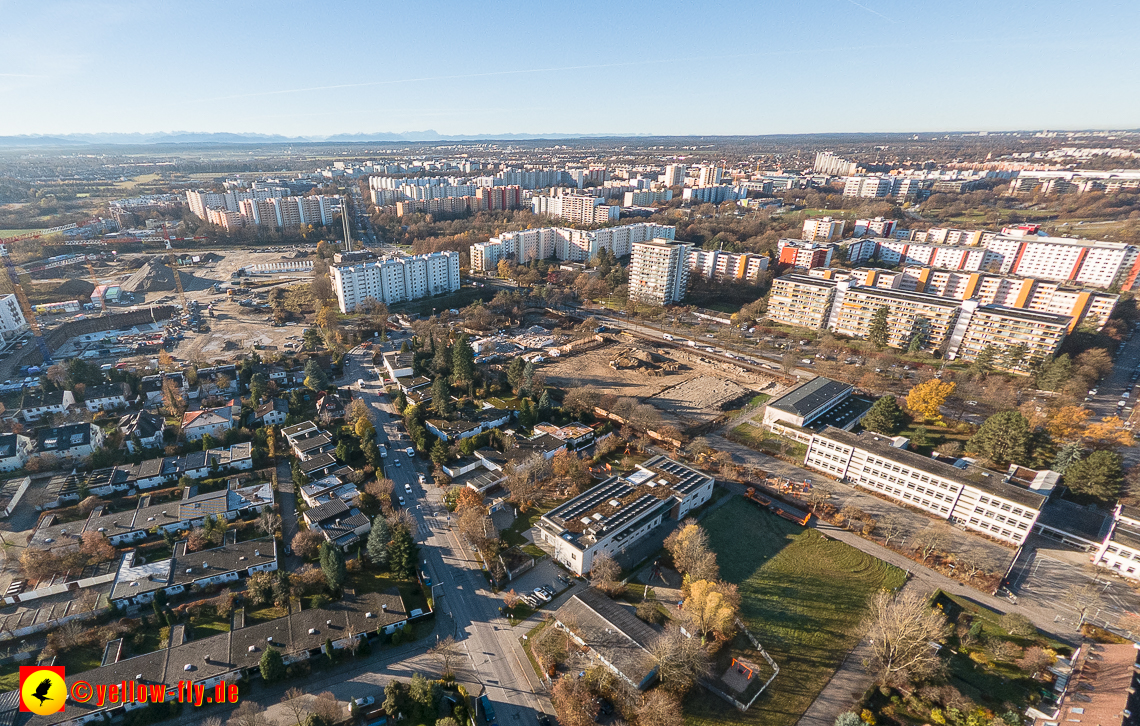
362, 702
408, 488
537, 592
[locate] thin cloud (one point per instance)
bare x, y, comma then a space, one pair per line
876, 12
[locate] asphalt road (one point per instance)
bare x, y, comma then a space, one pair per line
1112, 390
462, 595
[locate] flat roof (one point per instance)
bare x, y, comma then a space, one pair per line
918, 297
810, 396
807, 280
989, 481
1035, 316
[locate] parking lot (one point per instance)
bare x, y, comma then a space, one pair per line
1047, 577
545, 574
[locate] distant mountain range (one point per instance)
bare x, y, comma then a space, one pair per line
189, 137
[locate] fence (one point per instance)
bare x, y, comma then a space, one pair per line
764, 653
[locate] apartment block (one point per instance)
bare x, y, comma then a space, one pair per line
716, 194
823, 229
867, 187
969, 497
801, 253
709, 175
1089, 263
828, 163
993, 326
674, 175
659, 272
1084, 306
395, 279
721, 265
877, 227
909, 314
801, 301
578, 208
563, 243
645, 197
12, 320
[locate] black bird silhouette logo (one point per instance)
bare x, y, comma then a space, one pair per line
42, 691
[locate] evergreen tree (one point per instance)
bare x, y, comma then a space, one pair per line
984, 362
527, 383
315, 377
878, 333
1069, 454
1098, 477
393, 697
333, 565
921, 436
402, 554
401, 401
1003, 438
527, 416
885, 417
544, 404
257, 385
272, 666
1013, 356
462, 361
515, 373
441, 362
377, 545
404, 347
440, 397
439, 452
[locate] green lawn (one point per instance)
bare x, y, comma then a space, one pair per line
513, 535
9, 677
364, 581
151, 640
264, 615
81, 658
206, 627
803, 596
754, 437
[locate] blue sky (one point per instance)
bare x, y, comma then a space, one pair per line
344, 66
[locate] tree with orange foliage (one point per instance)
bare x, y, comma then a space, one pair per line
1108, 433
1068, 423
925, 400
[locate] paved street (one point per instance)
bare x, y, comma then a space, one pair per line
462, 596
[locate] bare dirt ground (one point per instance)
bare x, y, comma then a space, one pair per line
593, 369
698, 400
691, 395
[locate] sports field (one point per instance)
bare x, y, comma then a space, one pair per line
803, 596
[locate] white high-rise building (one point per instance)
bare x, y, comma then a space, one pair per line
395, 279
563, 243
823, 229
709, 175
659, 272
828, 163
12, 320
579, 208
674, 175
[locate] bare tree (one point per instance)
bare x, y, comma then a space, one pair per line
604, 573
296, 702
900, 630
446, 654
971, 562
681, 660
1084, 599
891, 527
659, 708
575, 704
249, 714
327, 708
934, 538
269, 521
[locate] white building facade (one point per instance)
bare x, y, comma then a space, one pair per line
395, 279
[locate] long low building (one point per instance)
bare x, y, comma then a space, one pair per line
236, 654
814, 405
620, 511
169, 469
970, 497
139, 583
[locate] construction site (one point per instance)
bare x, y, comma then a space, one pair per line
689, 390
199, 307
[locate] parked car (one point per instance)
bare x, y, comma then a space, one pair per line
541, 595
362, 702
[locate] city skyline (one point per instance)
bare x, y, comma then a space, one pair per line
307, 72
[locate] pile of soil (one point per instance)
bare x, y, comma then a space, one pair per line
154, 276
